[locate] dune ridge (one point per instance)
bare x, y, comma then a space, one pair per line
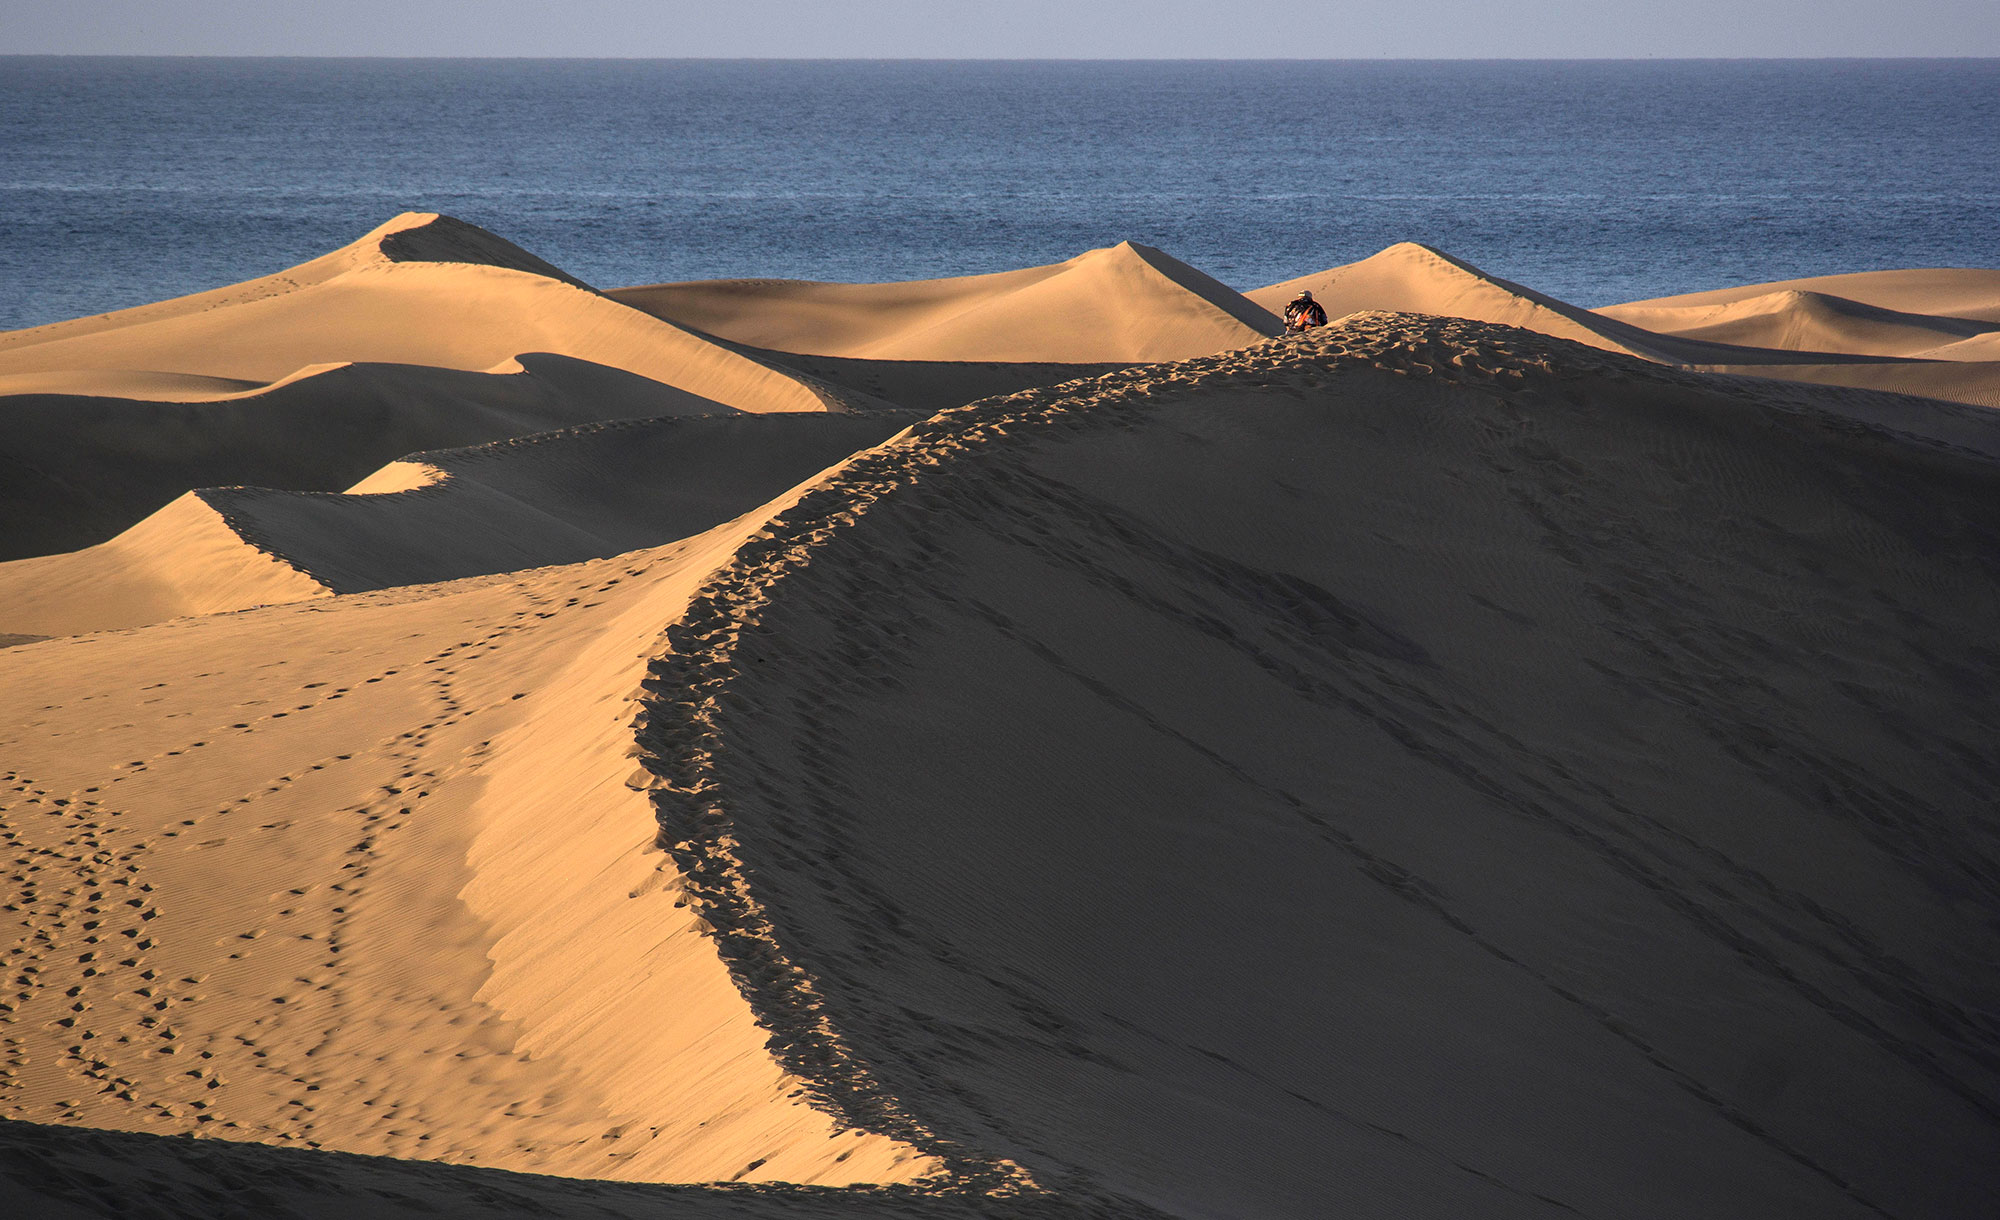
984, 551
524, 502
77, 476
1799, 320
458, 975
1125, 304
379, 301
187, 558
1955, 292
1431, 767
1411, 278
1798, 331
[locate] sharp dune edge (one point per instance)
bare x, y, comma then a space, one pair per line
1426, 768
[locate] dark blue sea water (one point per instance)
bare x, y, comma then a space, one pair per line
128, 180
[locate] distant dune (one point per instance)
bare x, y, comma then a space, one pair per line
1129, 303
1953, 292
1795, 331
1807, 321
1486, 758
385, 299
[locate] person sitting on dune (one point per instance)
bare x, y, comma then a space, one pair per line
1303, 313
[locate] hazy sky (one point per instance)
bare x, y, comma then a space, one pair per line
1416, 29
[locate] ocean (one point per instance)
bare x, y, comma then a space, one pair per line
124, 181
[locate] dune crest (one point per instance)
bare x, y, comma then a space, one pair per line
1801, 320
391, 890
419, 290
1428, 767
1431, 812
525, 502
1794, 332
1411, 278
1951, 292
187, 558
1126, 303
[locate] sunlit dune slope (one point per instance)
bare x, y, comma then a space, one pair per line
1426, 770
376, 874
187, 558
1411, 278
1966, 381
1807, 321
1949, 292
1798, 331
1127, 303
554, 498
79, 469
401, 295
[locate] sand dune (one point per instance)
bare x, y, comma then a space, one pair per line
367, 874
1980, 348
1126, 304
530, 502
81, 468
933, 385
1792, 332
1411, 278
1951, 292
387, 299
1808, 321
1966, 381
1426, 768
1577, 807
185, 559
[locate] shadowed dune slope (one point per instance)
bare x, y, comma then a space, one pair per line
76, 469
530, 502
67, 1173
559, 497
399, 295
1125, 304
934, 385
375, 874
1427, 770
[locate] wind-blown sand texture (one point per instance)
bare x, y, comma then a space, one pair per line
1422, 769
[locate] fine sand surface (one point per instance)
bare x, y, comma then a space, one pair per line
530, 502
369, 875
82, 467
1935, 334
426, 332
1945, 291
1125, 304
1579, 807
458, 298
1427, 769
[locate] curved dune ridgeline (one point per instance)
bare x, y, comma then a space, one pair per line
1487, 758
1577, 806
